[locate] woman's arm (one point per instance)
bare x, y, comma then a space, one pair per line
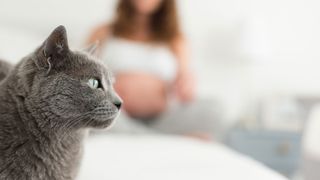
184, 85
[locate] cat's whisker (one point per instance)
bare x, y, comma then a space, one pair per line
66, 128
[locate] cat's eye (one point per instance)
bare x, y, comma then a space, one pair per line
93, 83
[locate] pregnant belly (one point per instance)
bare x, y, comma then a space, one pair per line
144, 95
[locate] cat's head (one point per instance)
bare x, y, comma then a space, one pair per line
64, 89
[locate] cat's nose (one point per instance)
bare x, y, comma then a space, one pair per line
117, 104
116, 100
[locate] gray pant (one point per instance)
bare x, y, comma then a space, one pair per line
196, 117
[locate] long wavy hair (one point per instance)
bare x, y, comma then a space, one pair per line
164, 21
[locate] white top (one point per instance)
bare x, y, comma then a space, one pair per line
128, 56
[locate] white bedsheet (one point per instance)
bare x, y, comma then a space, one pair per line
124, 157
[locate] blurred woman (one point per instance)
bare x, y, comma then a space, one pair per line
146, 49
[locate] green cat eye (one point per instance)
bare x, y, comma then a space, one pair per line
93, 83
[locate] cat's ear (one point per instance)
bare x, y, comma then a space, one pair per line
56, 45
54, 49
93, 48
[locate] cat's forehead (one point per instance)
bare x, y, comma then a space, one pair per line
87, 65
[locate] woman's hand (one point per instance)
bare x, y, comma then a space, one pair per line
185, 87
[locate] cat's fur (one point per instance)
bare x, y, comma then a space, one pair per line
46, 106
5, 68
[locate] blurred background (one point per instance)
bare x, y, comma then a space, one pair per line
258, 58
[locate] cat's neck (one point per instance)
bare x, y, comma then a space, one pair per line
54, 154
23, 120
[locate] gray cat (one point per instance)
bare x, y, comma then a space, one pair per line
46, 104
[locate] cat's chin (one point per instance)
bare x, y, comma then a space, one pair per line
103, 122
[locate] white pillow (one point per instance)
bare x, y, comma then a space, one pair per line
311, 142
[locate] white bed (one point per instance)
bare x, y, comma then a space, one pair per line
141, 157
25, 25
123, 157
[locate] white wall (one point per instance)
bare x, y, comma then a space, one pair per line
241, 48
